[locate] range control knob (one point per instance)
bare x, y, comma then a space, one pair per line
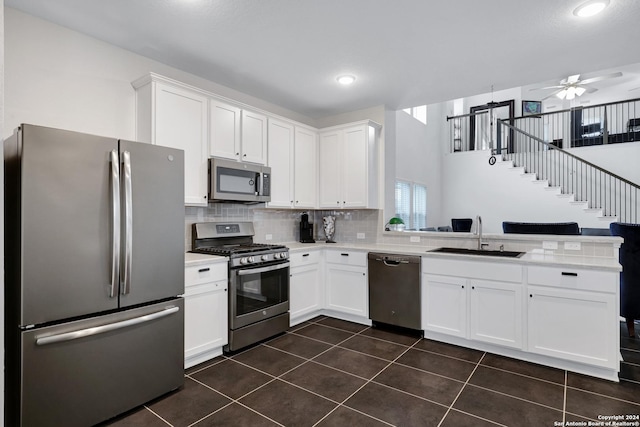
243, 260
283, 255
276, 255
251, 259
265, 258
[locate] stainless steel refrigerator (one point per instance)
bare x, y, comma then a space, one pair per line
94, 246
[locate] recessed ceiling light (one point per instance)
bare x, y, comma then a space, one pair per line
590, 8
346, 79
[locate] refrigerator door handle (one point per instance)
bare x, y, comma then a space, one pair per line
115, 217
70, 336
128, 223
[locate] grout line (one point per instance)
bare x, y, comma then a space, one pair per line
157, 415
525, 375
446, 355
605, 395
461, 389
365, 384
564, 400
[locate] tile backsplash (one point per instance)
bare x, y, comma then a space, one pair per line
283, 224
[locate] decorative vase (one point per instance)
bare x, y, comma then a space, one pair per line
329, 225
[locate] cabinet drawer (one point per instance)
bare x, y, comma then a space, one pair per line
573, 278
205, 288
304, 258
482, 269
347, 257
198, 274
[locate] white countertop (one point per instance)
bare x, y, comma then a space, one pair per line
191, 259
529, 258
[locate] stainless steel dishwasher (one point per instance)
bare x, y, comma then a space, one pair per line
394, 289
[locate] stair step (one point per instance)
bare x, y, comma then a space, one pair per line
529, 176
556, 190
568, 196
542, 182
581, 203
518, 169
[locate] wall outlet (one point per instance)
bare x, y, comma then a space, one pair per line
268, 237
572, 246
549, 245
414, 239
360, 236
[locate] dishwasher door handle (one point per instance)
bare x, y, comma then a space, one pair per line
392, 263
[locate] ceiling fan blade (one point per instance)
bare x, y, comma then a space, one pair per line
635, 88
573, 79
603, 77
591, 89
552, 94
546, 87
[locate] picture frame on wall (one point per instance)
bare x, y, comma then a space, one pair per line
531, 108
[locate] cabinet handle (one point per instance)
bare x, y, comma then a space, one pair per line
530, 295
364, 274
244, 155
305, 254
202, 270
205, 196
462, 286
473, 287
344, 254
568, 273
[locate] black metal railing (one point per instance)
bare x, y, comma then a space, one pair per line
599, 188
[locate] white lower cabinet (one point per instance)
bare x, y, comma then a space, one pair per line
573, 315
495, 312
305, 290
347, 288
444, 305
206, 308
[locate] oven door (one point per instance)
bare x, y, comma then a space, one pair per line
257, 293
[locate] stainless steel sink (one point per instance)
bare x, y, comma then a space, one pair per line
484, 252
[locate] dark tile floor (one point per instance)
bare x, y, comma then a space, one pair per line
327, 372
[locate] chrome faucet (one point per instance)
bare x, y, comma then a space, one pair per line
481, 244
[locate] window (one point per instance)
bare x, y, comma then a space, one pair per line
419, 113
411, 204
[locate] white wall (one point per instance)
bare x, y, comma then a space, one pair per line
60, 78
473, 187
622, 159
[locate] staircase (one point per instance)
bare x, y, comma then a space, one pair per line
596, 191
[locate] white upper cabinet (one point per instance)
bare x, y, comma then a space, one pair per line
305, 168
293, 162
225, 130
349, 166
254, 137
281, 159
171, 114
237, 134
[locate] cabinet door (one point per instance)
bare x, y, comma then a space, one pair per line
574, 325
304, 291
205, 321
444, 305
495, 313
330, 152
281, 163
254, 137
355, 178
347, 290
181, 122
225, 131
305, 168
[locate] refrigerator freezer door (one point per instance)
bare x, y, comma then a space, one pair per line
81, 373
66, 224
152, 243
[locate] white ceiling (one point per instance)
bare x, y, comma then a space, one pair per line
403, 52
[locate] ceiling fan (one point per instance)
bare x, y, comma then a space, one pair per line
572, 86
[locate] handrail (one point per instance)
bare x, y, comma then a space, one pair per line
477, 113
553, 147
568, 110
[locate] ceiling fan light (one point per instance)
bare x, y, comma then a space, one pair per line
562, 94
590, 8
571, 93
580, 91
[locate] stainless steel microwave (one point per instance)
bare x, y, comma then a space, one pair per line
231, 181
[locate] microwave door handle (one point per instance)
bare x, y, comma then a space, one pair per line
115, 223
128, 223
263, 269
259, 184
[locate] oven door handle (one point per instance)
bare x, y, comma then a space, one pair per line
263, 269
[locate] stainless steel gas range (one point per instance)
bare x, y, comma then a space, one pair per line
258, 280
